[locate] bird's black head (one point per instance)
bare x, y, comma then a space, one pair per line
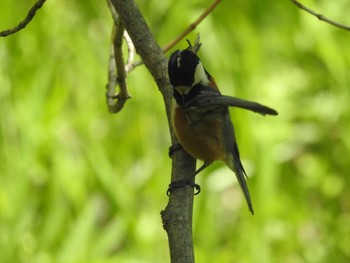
182, 67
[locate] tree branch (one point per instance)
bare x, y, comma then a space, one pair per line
177, 216
38, 4
320, 16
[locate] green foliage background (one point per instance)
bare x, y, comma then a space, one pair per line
78, 184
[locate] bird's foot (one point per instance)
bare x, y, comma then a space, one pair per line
181, 183
173, 148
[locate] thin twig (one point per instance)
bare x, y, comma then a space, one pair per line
192, 26
38, 4
131, 51
320, 16
188, 30
120, 65
134, 65
131, 48
112, 82
116, 68
113, 12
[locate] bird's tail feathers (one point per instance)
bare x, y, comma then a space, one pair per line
236, 166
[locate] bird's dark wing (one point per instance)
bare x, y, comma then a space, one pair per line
221, 100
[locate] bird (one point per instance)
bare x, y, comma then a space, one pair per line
201, 118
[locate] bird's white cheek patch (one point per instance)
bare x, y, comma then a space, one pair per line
200, 75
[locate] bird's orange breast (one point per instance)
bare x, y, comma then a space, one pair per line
203, 139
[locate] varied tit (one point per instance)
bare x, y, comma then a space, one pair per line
201, 118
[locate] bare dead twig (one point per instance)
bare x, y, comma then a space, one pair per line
112, 82
131, 51
113, 11
320, 16
116, 71
134, 65
119, 61
37, 5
